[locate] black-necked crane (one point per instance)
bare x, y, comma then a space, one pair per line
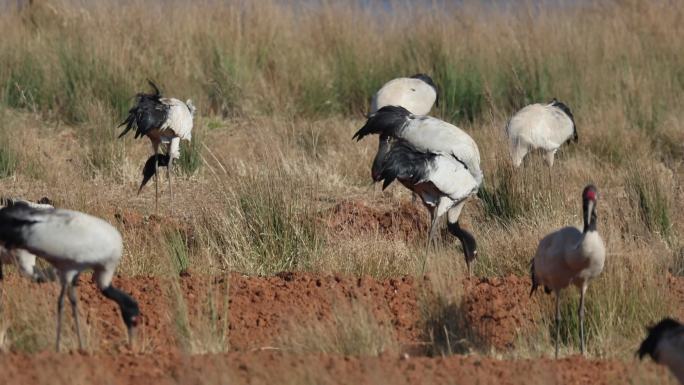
165, 121
24, 260
570, 256
425, 133
540, 126
71, 242
665, 345
434, 159
417, 94
442, 181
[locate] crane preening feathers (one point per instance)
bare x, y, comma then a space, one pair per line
434, 159
165, 121
570, 256
540, 126
425, 133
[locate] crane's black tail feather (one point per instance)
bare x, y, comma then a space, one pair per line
535, 284
403, 162
149, 169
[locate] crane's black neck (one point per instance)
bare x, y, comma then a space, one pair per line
129, 307
467, 240
589, 220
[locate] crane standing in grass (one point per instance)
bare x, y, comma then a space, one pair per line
71, 242
665, 345
22, 258
570, 256
417, 94
540, 126
164, 121
434, 159
441, 181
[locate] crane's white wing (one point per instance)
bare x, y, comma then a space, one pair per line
70, 237
452, 178
430, 134
179, 118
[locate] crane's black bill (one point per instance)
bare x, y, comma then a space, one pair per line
130, 312
149, 169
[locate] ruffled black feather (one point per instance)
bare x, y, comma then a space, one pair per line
401, 161
148, 113
388, 121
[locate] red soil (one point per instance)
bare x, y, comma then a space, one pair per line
268, 367
406, 221
497, 309
261, 309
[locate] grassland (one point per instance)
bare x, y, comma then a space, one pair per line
280, 89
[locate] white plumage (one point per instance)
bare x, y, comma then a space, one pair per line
165, 121
71, 242
540, 126
441, 165
177, 126
425, 134
665, 345
570, 257
417, 94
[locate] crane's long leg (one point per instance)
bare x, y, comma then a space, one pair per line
558, 318
156, 180
431, 231
169, 173
581, 318
433, 227
60, 312
74, 311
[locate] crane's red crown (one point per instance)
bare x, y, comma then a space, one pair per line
590, 194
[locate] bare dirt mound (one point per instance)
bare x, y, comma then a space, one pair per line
263, 308
260, 310
497, 309
405, 221
134, 220
277, 367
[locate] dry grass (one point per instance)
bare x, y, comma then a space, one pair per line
352, 330
281, 89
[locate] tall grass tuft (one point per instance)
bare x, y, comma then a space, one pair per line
279, 236
8, 158
191, 155
650, 199
502, 196
352, 330
178, 251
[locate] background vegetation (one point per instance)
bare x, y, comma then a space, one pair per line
281, 88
